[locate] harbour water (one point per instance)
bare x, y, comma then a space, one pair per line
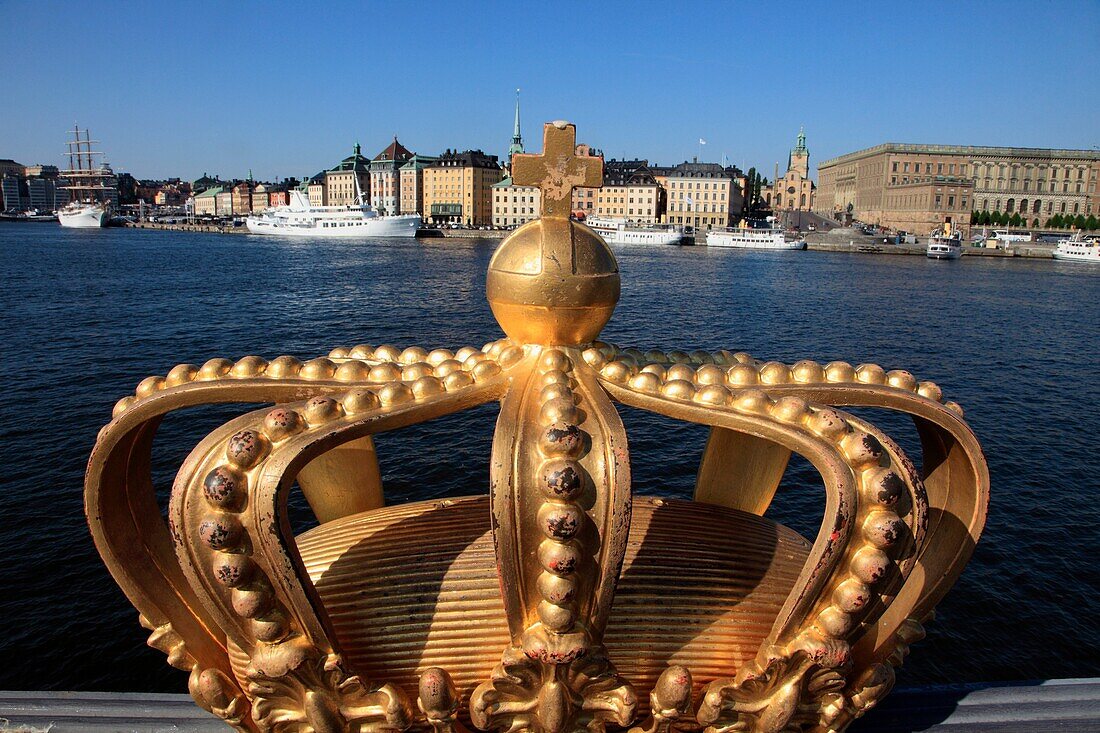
89, 313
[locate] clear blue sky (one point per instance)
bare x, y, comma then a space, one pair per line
284, 89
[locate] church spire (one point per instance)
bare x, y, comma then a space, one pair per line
801, 147
517, 137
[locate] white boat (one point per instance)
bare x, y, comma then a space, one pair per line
300, 219
1077, 249
620, 231
90, 186
944, 244
747, 237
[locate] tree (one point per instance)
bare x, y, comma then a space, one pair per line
1035, 223
1016, 219
973, 218
1091, 223
1079, 221
750, 189
997, 218
984, 218
1055, 222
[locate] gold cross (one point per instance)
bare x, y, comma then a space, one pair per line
558, 170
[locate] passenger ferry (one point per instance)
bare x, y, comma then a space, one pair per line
748, 237
1077, 249
944, 244
619, 231
300, 219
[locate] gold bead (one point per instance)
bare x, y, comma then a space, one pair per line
558, 619
828, 423
741, 375
861, 448
387, 352
834, 622
871, 374
447, 366
281, 423
148, 386
246, 448
713, 394
438, 356
457, 380
283, 367
361, 351
322, 409
319, 368
181, 374
485, 370
710, 374
555, 390
678, 389
395, 393
870, 565
510, 355
555, 376
680, 371
851, 596
883, 528
930, 390
556, 589
465, 353
724, 358
122, 406
742, 358
755, 401
352, 371
775, 373
360, 400
427, 386
840, 371
340, 352
214, 369
554, 359
558, 410
616, 371
701, 357
656, 370
901, 379
678, 357
594, 357
955, 407
416, 370
384, 373
790, 409
413, 354
807, 372
645, 382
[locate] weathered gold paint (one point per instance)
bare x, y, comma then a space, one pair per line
559, 602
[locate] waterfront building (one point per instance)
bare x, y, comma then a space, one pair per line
703, 195
316, 189
458, 187
583, 200
514, 205
348, 179
385, 177
793, 191
206, 202
412, 184
13, 190
10, 167
173, 193
204, 182
224, 202
42, 193
260, 198
1035, 183
242, 197
630, 192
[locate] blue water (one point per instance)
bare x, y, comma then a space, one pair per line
87, 314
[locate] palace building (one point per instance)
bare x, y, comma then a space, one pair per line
909, 187
458, 188
703, 195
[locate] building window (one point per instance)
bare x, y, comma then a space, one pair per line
950, 202
1010, 206
939, 167
895, 168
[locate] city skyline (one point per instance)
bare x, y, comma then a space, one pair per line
224, 90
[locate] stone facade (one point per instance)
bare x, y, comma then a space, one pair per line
385, 177
350, 178
412, 184
703, 195
794, 191
629, 192
514, 205
1035, 182
458, 188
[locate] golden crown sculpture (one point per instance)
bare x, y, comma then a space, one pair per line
552, 603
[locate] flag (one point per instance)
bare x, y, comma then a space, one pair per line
702, 141
691, 204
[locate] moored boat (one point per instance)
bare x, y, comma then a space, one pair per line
620, 231
90, 186
301, 219
749, 237
1077, 249
944, 244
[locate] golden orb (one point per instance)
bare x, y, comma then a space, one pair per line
553, 281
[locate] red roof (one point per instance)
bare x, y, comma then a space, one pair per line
394, 151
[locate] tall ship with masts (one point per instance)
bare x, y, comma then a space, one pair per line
91, 184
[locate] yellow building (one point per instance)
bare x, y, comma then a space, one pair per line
205, 203
412, 184
514, 205
458, 188
584, 199
703, 195
349, 180
629, 192
315, 190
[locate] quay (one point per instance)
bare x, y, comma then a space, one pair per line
1067, 706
